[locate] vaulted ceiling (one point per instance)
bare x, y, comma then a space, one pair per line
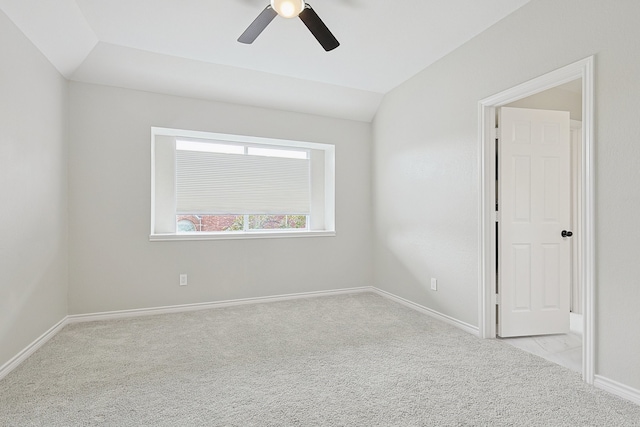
189, 47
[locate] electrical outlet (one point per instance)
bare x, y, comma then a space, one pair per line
183, 280
434, 284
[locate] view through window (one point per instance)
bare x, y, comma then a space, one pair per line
221, 223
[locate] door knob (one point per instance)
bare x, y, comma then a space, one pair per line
566, 233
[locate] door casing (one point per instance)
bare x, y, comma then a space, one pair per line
584, 70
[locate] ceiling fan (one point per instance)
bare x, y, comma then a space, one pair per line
291, 9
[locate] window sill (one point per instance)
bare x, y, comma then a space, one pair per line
239, 236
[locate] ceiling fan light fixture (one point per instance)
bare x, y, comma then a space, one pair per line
291, 9
288, 8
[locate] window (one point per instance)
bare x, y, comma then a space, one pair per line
211, 186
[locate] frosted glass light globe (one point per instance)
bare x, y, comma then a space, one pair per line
288, 8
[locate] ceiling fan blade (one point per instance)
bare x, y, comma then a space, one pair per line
318, 28
258, 25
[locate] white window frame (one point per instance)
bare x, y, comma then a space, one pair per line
320, 222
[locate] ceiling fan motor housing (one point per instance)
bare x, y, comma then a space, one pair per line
288, 8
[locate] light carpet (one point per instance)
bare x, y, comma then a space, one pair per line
350, 360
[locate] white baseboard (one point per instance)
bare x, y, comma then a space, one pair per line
119, 314
576, 324
474, 330
617, 388
31, 348
604, 383
76, 318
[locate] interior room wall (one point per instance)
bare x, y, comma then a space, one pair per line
426, 155
114, 266
33, 184
555, 98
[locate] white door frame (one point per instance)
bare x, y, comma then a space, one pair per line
487, 254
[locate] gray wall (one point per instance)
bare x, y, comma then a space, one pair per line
113, 266
33, 185
426, 156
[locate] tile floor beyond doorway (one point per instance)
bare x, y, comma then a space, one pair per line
563, 349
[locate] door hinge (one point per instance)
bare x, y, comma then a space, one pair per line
497, 216
496, 133
496, 299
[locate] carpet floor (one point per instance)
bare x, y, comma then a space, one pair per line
350, 360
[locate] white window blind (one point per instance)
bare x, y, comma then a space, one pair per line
219, 183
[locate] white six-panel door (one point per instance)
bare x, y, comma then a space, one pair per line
534, 263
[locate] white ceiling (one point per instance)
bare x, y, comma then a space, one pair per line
189, 47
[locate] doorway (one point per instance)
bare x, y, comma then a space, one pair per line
488, 298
